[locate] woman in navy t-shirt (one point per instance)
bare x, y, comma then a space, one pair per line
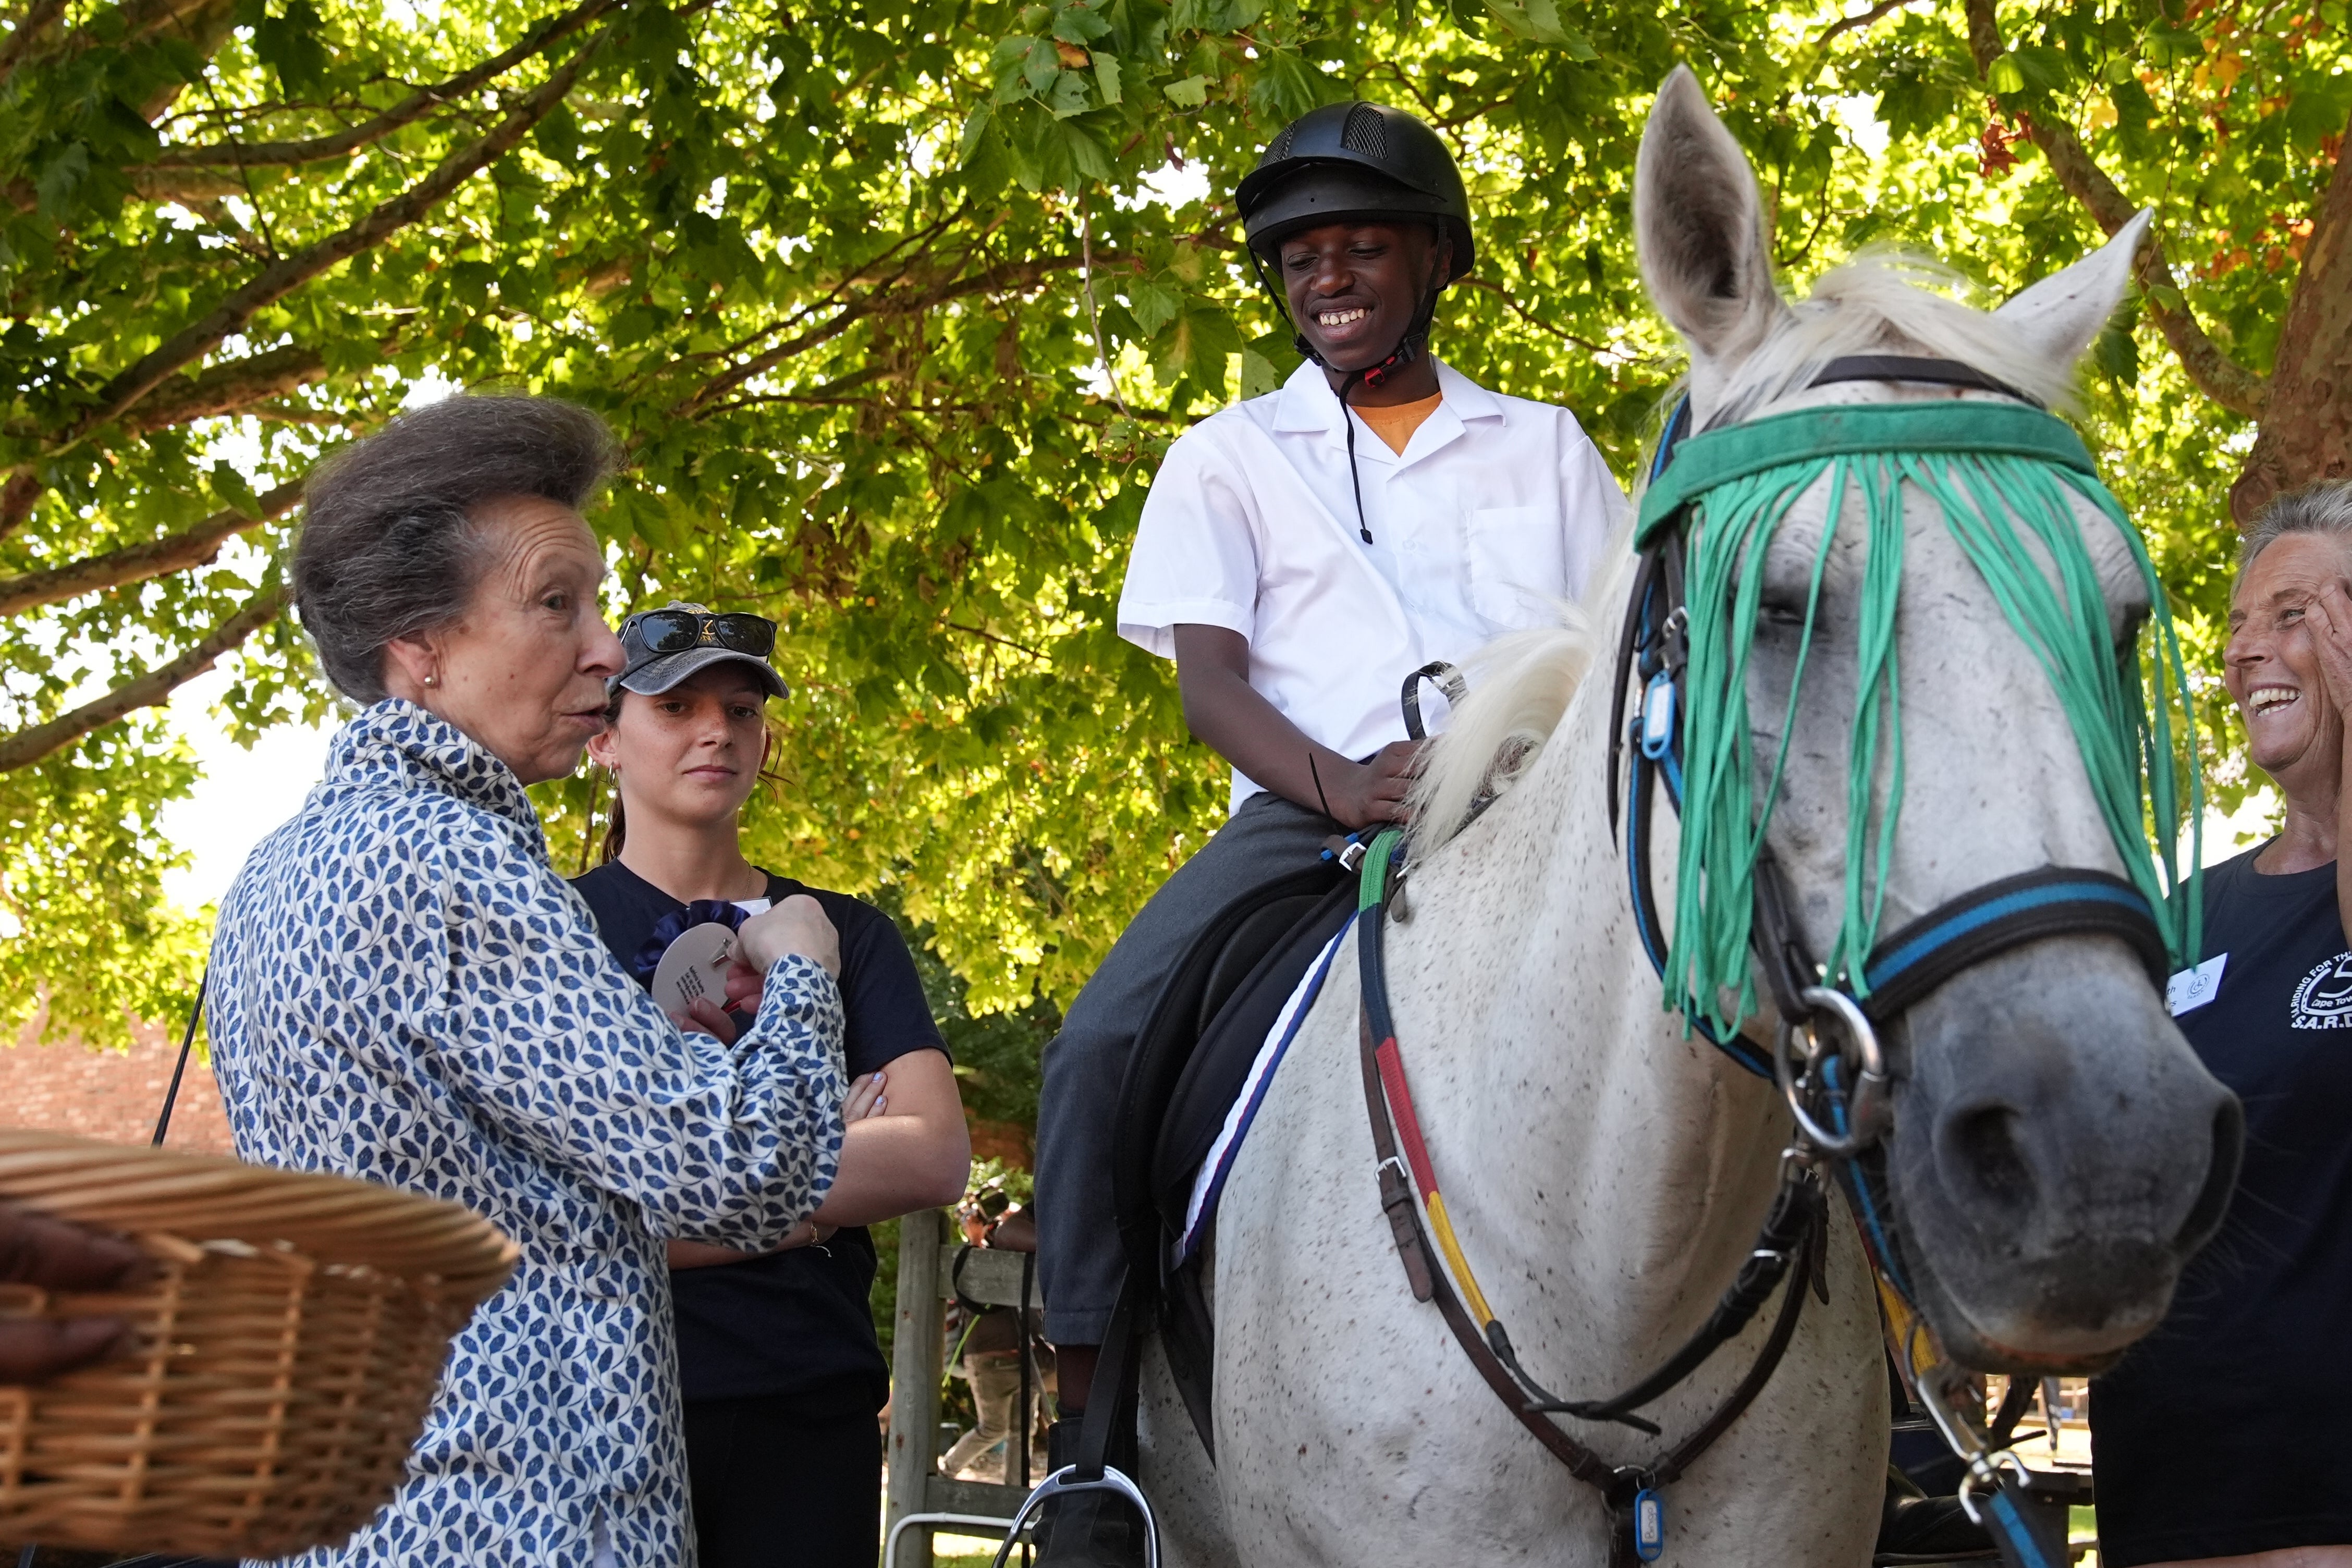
782, 1374
2227, 1434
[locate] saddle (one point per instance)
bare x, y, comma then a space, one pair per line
1190, 1062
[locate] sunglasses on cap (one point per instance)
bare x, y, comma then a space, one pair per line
661, 632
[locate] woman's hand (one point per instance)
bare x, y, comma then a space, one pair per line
707, 1015
702, 1255
2330, 620
865, 1099
798, 925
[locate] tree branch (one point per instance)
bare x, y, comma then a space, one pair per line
1812, 57
37, 19
138, 563
282, 278
151, 689
2306, 432
2214, 373
230, 388
409, 109
1009, 275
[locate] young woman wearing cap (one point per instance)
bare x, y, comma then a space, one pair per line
780, 1371
1297, 568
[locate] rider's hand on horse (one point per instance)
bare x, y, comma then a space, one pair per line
796, 925
57, 1256
1367, 795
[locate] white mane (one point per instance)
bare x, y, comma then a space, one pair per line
1520, 684
1875, 304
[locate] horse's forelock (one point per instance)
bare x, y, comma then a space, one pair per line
1875, 304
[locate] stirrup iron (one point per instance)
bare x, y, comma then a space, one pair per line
1111, 1480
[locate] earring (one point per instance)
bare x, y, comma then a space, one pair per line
432, 680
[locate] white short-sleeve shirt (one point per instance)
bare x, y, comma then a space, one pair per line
1497, 510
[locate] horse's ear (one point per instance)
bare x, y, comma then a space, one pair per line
1699, 226
2059, 316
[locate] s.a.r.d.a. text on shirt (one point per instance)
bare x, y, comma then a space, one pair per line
404, 990
1497, 512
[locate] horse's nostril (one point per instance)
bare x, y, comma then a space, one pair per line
2221, 1178
1986, 1144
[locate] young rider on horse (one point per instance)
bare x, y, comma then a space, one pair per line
1298, 556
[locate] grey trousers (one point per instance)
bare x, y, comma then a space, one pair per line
1078, 1258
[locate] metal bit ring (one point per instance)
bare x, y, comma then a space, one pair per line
1866, 1105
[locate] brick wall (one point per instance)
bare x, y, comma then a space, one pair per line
66, 1087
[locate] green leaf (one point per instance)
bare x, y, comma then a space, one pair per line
2318, 109
1079, 24
60, 178
1190, 93
2116, 351
1088, 158
1040, 66
2005, 75
974, 128
2045, 69
1154, 305
1268, 361
232, 487
1538, 22
1288, 85
1107, 76
1196, 345
1069, 95
291, 44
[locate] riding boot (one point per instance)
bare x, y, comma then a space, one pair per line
1088, 1530
1915, 1528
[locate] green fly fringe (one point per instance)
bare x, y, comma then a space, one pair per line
2131, 713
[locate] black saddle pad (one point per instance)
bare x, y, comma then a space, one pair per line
1219, 1065
1224, 972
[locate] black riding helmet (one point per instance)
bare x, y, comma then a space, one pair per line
1364, 161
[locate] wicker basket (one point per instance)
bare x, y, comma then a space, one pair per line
287, 1352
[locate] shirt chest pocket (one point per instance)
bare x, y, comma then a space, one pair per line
1519, 565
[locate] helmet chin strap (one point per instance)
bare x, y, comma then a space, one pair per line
1409, 349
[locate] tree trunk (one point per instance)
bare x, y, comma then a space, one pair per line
2306, 431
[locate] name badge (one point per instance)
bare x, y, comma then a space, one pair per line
2192, 988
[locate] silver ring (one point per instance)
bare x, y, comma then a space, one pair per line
1865, 1105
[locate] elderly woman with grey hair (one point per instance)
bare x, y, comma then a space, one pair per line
402, 989
2224, 1437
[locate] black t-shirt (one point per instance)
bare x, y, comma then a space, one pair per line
794, 1322
2228, 1431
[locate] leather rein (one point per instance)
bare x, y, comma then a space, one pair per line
1840, 1097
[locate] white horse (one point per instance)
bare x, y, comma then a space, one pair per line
2056, 1149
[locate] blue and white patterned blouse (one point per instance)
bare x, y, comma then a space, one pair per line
404, 990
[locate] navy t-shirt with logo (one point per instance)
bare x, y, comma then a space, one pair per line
2228, 1431
792, 1323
